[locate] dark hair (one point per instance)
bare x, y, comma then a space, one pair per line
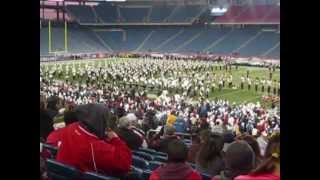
253, 144
53, 102
204, 135
70, 117
195, 139
177, 151
239, 158
210, 149
271, 157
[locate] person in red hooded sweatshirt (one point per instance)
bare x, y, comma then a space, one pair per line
269, 169
176, 167
90, 145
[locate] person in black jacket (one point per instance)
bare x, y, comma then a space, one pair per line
124, 131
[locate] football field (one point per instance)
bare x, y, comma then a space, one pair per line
235, 94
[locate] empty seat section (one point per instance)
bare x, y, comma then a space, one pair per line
115, 39
185, 13
234, 40
261, 44
134, 38
107, 12
173, 44
275, 53
160, 13
130, 14
83, 14
158, 37
204, 40
79, 41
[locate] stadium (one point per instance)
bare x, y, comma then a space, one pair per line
160, 89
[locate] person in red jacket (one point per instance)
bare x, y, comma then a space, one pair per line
90, 146
176, 167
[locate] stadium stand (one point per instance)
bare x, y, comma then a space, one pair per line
255, 47
79, 41
133, 14
159, 13
185, 13
249, 41
251, 14
107, 13
83, 14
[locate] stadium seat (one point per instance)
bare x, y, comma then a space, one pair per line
153, 152
51, 149
160, 158
154, 165
147, 150
139, 162
192, 165
134, 174
146, 174
59, 171
143, 155
95, 176
205, 176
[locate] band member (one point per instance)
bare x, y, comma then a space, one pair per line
262, 85
269, 82
249, 83
230, 82
270, 75
223, 82
242, 82
213, 86
256, 83
220, 84
247, 73
274, 87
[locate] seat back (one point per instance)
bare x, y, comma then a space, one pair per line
95, 176
51, 149
154, 165
59, 171
146, 174
144, 155
205, 176
152, 152
139, 162
160, 158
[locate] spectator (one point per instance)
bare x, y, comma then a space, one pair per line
270, 167
262, 141
169, 136
46, 122
53, 106
90, 145
194, 148
171, 119
209, 157
239, 159
180, 125
254, 145
133, 140
54, 137
176, 168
